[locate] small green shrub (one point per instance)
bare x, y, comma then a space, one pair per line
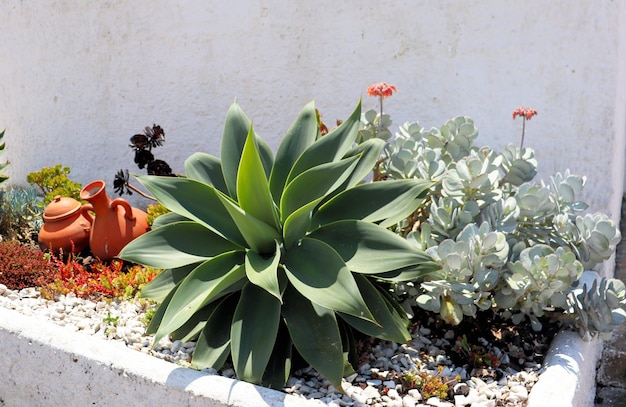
54, 181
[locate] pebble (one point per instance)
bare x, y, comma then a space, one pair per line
377, 382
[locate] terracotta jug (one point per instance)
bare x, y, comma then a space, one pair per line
64, 228
115, 223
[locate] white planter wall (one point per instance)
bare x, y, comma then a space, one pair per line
78, 78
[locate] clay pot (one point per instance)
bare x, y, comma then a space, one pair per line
64, 227
115, 223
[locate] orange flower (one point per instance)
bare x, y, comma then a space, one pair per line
383, 90
524, 112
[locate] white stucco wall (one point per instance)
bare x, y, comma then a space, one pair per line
78, 78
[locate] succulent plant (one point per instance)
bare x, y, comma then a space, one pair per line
20, 215
268, 257
482, 202
3, 178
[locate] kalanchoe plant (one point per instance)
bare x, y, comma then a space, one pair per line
504, 243
268, 257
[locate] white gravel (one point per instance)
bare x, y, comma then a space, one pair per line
378, 381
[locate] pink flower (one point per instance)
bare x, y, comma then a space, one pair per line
383, 90
525, 112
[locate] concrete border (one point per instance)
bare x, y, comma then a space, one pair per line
46, 364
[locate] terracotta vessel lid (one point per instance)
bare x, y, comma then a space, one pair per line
60, 207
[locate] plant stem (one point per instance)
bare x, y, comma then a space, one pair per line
380, 118
140, 192
523, 132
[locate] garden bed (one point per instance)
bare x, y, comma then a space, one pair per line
82, 369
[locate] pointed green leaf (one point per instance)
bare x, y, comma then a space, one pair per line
206, 168
298, 223
263, 271
298, 138
166, 218
368, 248
161, 285
203, 285
279, 366
369, 153
213, 344
387, 202
393, 326
253, 332
319, 274
315, 334
315, 183
259, 236
331, 147
234, 137
253, 191
176, 245
194, 200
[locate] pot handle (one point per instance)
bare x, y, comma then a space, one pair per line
124, 204
86, 210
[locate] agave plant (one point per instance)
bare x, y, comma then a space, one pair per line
3, 178
269, 258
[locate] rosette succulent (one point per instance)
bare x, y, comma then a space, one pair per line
268, 257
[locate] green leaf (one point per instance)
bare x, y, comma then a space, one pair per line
279, 366
206, 168
369, 153
315, 335
203, 285
259, 236
332, 147
263, 271
167, 218
175, 245
234, 137
298, 224
368, 248
161, 285
195, 201
253, 332
392, 326
157, 318
253, 191
300, 136
315, 183
319, 274
387, 202
213, 344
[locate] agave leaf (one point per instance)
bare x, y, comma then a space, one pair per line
259, 236
387, 202
315, 183
167, 218
213, 344
369, 152
315, 334
368, 248
253, 191
194, 200
318, 273
279, 366
263, 271
391, 326
161, 285
300, 136
203, 285
331, 147
253, 332
175, 245
206, 168
234, 137
298, 223
157, 318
